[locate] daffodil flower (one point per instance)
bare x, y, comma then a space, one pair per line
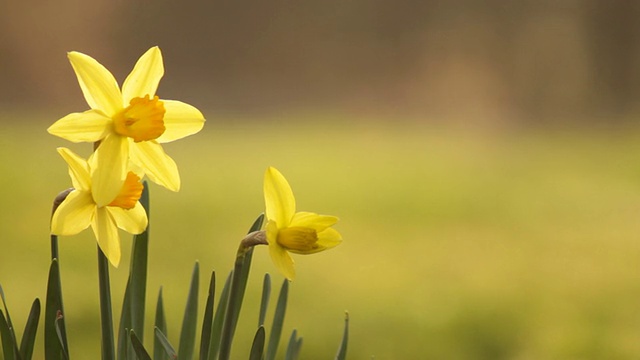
290, 231
80, 209
130, 124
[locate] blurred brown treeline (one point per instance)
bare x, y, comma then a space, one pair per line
535, 60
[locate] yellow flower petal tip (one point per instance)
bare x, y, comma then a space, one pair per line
289, 231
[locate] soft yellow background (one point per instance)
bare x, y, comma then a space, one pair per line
484, 161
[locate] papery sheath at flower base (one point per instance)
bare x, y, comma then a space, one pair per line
129, 124
79, 209
290, 231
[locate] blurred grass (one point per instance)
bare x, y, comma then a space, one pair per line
459, 243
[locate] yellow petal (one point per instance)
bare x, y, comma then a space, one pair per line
109, 168
88, 126
278, 198
282, 260
180, 120
98, 85
313, 220
327, 239
106, 232
78, 169
134, 221
145, 76
74, 214
157, 165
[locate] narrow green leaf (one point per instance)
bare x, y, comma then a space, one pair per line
291, 347
141, 353
6, 311
9, 348
239, 277
342, 350
257, 348
133, 305
264, 302
54, 347
166, 345
278, 320
218, 320
161, 324
30, 331
59, 334
106, 316
296, 354
205, 337
125, 323
188, 332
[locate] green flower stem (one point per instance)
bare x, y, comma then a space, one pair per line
108, 346
235, 301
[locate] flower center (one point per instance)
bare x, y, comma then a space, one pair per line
141, 120
298, 238
130, 192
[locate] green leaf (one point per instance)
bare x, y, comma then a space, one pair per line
55, 347
257, 348
278, 320
342, 350
188, 332
264, 302
30, 331
205, 337
133, 306
291, 347
239, 277
159, 352
141, 353
218, 319
8, 318
9, 347
166, 345
106, 316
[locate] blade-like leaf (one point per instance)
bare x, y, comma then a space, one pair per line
278, 320
9, 347
133, 305
188, 332
59, 334
106, 316
30, 331
264, 302
141, 353
54, 348
218, 319
205, 337
291, 347
166, 345
239, 277
6, 311
342, 350
257, 348
159, 352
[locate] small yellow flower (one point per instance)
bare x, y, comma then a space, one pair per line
130, 124
79, 209
291, 231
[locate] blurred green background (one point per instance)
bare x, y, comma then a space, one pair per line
484, 159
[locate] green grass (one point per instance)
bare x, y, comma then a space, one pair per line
458, 244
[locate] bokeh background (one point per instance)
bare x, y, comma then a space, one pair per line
484, 159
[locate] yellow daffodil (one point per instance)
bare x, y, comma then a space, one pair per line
80, 209
130, 124
291, 231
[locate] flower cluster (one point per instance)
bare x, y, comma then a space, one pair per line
127, 127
